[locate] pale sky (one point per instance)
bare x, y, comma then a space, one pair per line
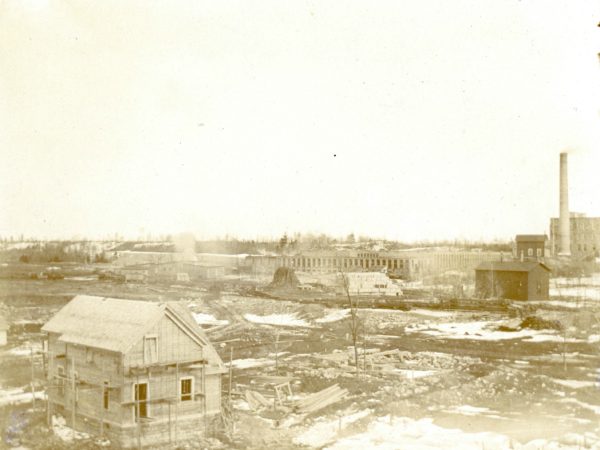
406, 120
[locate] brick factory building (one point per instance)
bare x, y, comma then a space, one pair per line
584, 235
531, 246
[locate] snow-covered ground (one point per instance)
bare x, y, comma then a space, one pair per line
248, 363
413, 374
575, 384
283, 320
324, 432
398, 433
583, 292
208, 319
19, 396
476, 330
469, 410
66, 433
82, 278
561, 303
334, 316
432, 313
26, 349
387, 433
593, 280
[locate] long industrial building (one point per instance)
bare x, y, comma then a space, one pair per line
402, 264
408, 264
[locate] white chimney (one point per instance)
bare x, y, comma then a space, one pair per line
564, 230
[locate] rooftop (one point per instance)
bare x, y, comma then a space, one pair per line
531, 237
511, 266
113, 324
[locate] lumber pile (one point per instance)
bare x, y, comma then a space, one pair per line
256, 400
321, 399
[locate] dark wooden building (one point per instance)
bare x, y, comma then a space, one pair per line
515, 280
531, 246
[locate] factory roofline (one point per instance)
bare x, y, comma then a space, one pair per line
511, 266
531, 237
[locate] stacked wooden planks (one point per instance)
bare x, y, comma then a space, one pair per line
321, 399
256, 400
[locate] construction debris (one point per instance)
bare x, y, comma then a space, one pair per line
321, 399
256, 400
276, 386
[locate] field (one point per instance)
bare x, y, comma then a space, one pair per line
427, 377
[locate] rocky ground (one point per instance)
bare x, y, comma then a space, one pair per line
427, 378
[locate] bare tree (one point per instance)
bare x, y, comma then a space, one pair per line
354, 319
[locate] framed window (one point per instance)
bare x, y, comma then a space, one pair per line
186, 389
539, 252
140, 398
150, 349
529, 252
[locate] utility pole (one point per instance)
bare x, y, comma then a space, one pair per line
32, 379
73, 393
277, 354
230, 373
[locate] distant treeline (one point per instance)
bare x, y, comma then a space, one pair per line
86, 251
36, 252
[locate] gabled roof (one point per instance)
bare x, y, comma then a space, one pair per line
531, 237
114, 324
511, 266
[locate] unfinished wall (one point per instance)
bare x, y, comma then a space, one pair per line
173, 345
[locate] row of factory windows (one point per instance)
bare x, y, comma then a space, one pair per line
585, 248
349, 262
538, 252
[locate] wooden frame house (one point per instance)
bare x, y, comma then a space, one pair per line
138, 372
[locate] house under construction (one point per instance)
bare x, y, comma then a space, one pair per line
139, 373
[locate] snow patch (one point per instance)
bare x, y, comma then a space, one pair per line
391, 433
67, 434
323, 432
412, 374
469, 410
574, 384
19, 396
478, 330
431, 313
592, 293
26, 350
251, 362
334, 316
208, 319
284, 320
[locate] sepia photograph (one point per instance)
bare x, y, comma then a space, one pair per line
310, 224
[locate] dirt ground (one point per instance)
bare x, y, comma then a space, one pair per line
473, 376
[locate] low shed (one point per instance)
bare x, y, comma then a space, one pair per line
514, 280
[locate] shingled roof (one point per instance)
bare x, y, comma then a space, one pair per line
113, 324
511, 266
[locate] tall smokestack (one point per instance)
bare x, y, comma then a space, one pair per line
564, 231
